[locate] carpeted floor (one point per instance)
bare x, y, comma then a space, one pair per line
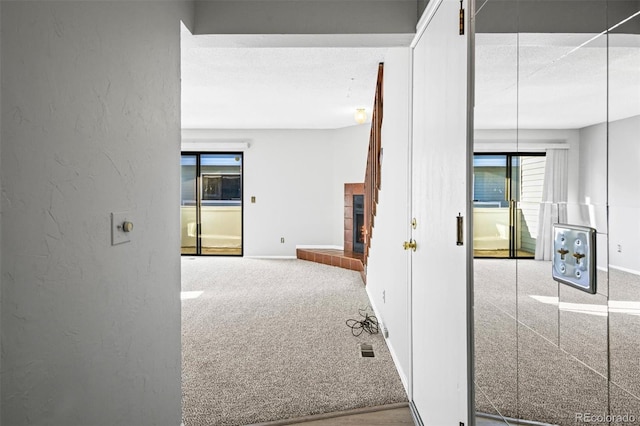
267, 340
543, 351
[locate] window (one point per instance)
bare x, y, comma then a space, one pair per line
218, 187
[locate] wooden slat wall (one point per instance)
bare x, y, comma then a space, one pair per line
373, 175
531, 181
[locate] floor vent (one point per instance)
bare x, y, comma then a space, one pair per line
366, 350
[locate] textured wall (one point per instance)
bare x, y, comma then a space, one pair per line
91, 125
306, 17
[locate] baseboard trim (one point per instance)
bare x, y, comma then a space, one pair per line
394, 357
396, 361
270, 257
334, 414
319, 247
627, 270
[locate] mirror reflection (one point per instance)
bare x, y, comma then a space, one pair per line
624, 210
495, 290
556, 110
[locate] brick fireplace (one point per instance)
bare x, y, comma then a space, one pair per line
354, 217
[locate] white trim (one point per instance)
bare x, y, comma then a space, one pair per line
515, 146
316, 246
620, 268
426, 17
306, 40
394, 357
205, 145
269, 257
409, 232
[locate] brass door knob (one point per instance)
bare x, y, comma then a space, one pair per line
411, 244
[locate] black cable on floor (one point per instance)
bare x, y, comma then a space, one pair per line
369, 323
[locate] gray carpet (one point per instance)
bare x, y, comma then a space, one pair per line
536, 362
267, 340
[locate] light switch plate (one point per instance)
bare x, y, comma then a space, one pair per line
118, 236
574, 256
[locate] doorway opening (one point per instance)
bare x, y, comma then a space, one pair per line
211, 203
507, 192
258, 100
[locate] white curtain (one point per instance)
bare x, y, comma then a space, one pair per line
553, 208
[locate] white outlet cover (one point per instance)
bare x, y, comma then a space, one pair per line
118, 236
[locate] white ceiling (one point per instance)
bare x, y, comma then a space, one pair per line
555, 81
534, 81
275, 87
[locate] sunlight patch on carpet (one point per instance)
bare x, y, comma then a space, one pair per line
186, 295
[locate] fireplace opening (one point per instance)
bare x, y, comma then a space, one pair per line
358, 223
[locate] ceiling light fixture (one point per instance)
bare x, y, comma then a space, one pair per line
361, 115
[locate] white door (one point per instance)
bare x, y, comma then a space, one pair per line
440, 171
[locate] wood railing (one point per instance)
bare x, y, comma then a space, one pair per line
372, 175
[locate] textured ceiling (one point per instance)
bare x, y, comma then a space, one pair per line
555, 81
529, 81
275, 87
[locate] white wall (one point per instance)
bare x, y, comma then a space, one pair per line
297, 177
387, 265
592, 188
589, 190
91, 125
539, 140
534, 140
624, 194
590, 208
